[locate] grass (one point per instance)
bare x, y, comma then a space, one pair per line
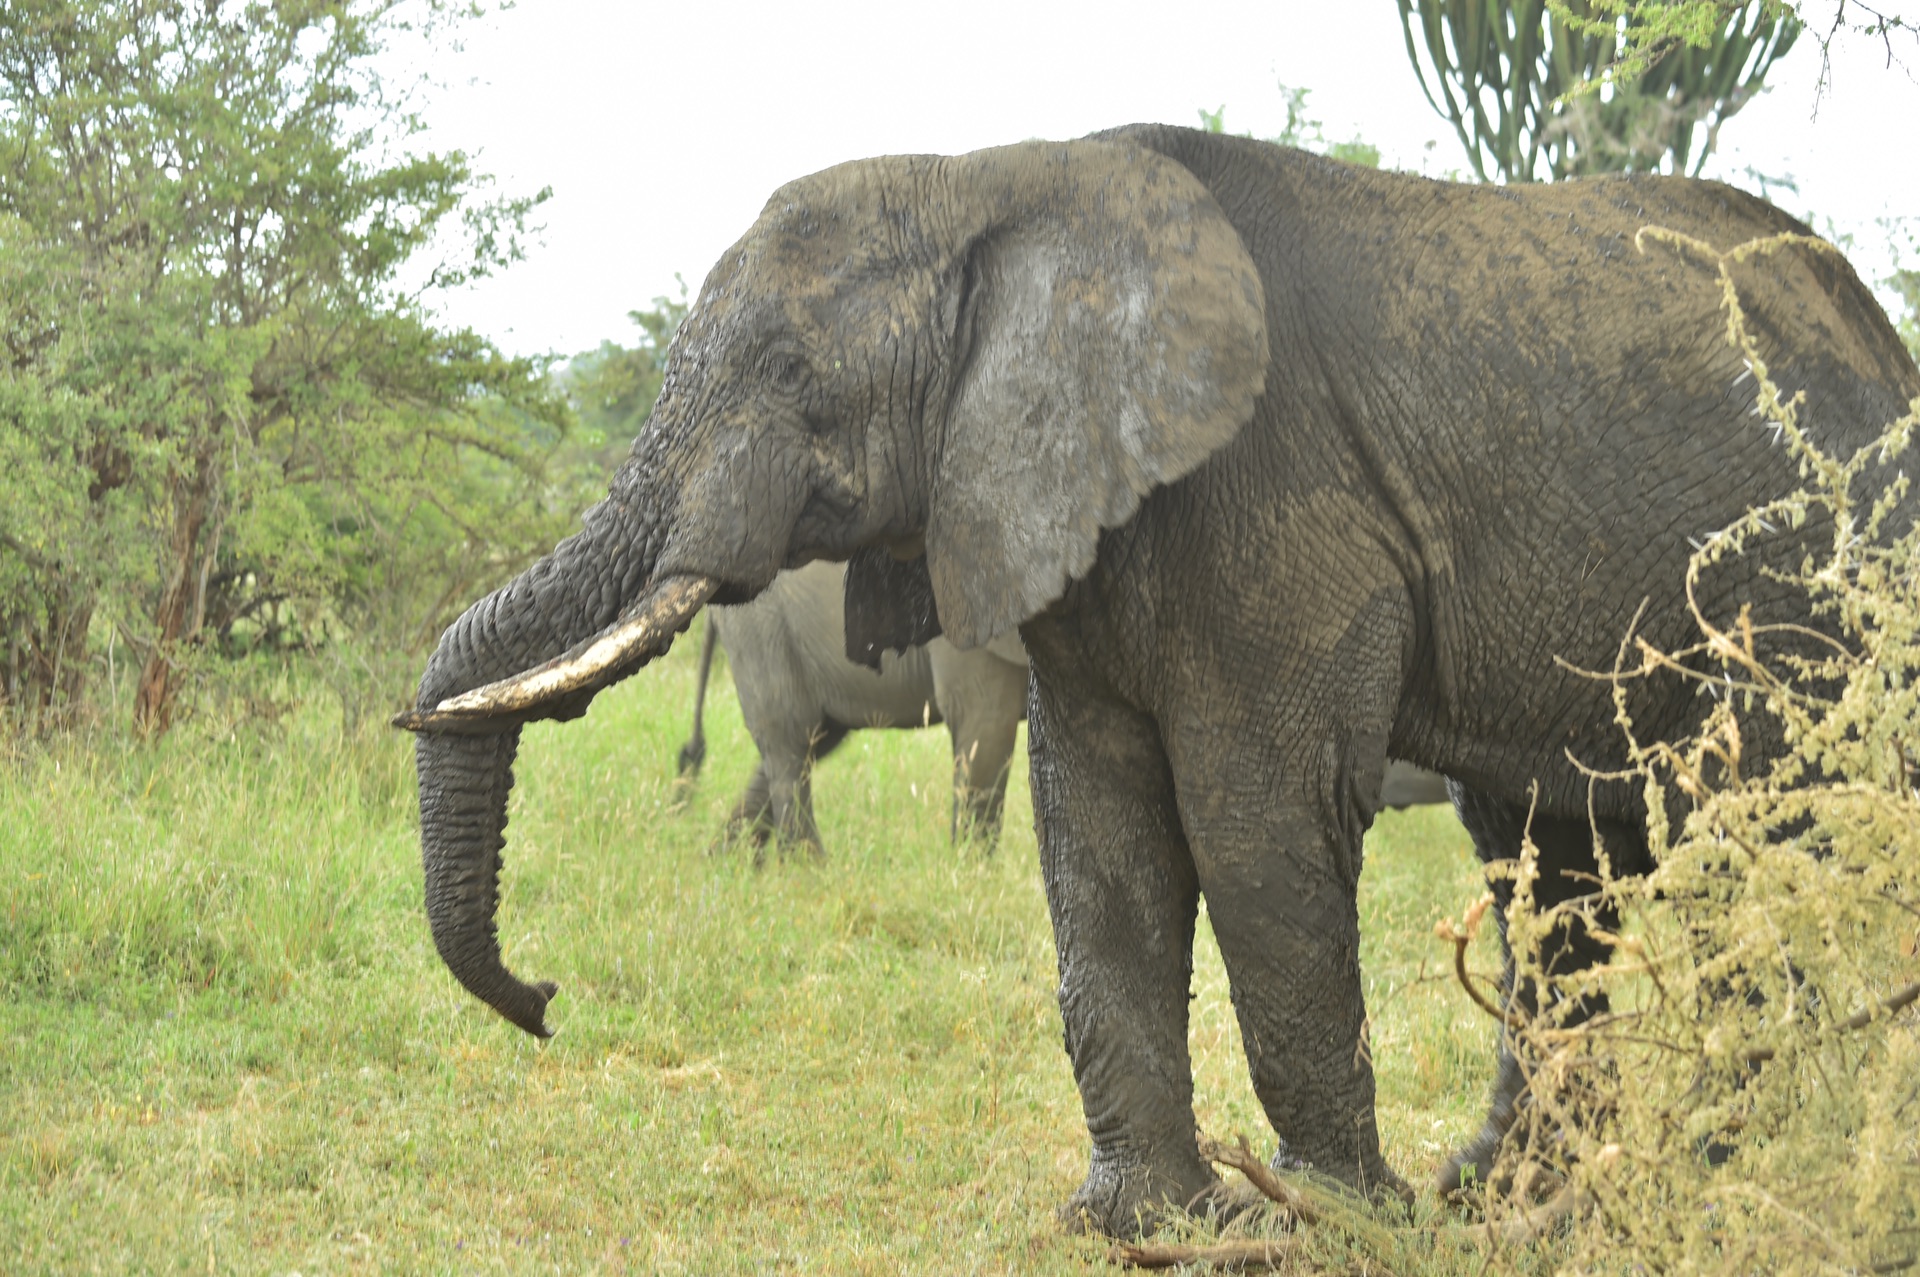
228, 1045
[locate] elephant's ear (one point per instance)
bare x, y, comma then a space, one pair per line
1111, 335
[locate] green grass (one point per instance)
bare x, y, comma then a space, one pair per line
228, 1045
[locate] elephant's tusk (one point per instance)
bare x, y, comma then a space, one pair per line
641, 634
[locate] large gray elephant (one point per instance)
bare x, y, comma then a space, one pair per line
1279, 467
800, 696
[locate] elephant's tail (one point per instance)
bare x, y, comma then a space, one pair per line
694, 752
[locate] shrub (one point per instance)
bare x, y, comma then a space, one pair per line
1751, 1101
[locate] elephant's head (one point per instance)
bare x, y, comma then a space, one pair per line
991, 357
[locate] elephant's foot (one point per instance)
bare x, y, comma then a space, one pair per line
808, 849
1470, 1170
981, 833
1379, 1185
786, 844
1127, 1197
738, 830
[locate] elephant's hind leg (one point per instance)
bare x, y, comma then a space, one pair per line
790, 789
1120, 886
749, 814
1568, 869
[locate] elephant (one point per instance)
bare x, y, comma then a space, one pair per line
800, 696
1279, 467
1405, 785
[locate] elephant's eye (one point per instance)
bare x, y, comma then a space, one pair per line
789, 370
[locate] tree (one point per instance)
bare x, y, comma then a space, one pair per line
1649, 29
613, 387
1303, 131
1522, 81
216, 397
1907, 284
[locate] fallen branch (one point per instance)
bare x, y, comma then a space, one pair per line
1243, 1159
1238, 1256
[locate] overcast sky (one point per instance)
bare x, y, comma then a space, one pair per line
662, 127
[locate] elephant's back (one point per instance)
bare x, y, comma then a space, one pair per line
1516, 412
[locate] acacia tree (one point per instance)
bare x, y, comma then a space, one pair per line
1521, 80
613, 387
215, 393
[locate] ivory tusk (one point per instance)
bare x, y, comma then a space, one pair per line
641, 634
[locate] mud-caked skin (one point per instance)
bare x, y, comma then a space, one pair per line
1280, 467
800, 695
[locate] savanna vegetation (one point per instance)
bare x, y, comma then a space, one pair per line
228, 1038
246, 477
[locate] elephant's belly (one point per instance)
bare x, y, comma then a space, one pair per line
900, 695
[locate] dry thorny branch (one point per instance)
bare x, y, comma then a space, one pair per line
1229, 1256
1239, 1254
1299, 1208
1743, 1097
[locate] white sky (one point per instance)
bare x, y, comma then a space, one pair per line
662, 127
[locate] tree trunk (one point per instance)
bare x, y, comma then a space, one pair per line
46, 665
178, 614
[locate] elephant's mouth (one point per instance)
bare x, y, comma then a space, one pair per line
641, 633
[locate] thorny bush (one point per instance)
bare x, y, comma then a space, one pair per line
1749, 1101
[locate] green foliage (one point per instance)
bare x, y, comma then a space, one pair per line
1904, 234
223, 418
1521, 81
1303, 131
612, 389
1649, 30
1761, 990
1646, 33
1907, 284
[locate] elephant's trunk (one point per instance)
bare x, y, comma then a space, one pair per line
464, 782
568, 613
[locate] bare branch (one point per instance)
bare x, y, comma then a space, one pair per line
1236, 1256
1242, 1158
1858, 1020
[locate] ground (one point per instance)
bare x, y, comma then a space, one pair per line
228, 1045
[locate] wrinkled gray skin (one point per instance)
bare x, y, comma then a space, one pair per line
800, 696
1279, 466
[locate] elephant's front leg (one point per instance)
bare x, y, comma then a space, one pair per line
1121, 889
1289, 936
1275, 813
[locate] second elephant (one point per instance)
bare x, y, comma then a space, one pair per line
800, 696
